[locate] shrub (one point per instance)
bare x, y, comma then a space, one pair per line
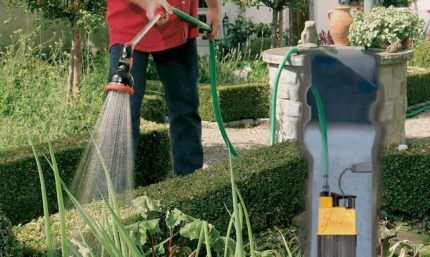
271, 180
405, 182
421, 56
418, 85
237, 102
9, 246
384, 26
253, 97
20, 196
243, 31
154, 108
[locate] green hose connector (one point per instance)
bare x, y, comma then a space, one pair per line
275, 95
212, 68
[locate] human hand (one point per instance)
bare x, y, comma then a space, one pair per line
153, 7
212, 18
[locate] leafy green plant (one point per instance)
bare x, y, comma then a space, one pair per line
243, 32
384, 26
390, 246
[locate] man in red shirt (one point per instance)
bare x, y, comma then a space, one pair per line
173, 46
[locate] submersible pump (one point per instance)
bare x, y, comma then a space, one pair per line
337, 229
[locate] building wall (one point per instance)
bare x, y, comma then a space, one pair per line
422, 6
261, 14
318, 12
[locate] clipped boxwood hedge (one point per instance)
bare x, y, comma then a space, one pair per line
237, 101
242, 101
405, 182
154, 108
421, 56
271, 180
20, 197
418, 89
9, 246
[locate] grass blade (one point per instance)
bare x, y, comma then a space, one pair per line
285, 243
227, 237
199, 244
48, 234
124, 233
248, 222
95, 228
112, 198
60, 201
207, 242
236, 214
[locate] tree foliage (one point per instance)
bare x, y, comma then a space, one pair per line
86, 14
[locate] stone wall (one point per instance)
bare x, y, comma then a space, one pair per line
392, 78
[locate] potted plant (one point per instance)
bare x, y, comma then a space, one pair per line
388, 28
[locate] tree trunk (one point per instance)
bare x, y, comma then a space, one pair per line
281, 28
274, 28
75, 63
296, 26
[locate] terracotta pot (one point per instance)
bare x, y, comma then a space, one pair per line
339, 20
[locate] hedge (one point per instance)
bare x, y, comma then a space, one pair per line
242, 101
20, 197
237, 101
271, 180
405, 182
9, 246
154, 108
421, 56
418, 89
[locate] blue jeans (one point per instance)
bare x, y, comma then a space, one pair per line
178, 72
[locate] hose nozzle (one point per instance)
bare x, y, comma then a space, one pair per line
122, 80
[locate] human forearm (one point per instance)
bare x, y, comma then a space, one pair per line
212, 4
212, 17
151, 5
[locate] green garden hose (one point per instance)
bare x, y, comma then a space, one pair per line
417, 111
323, 131
321, 117
212, 64
275, 95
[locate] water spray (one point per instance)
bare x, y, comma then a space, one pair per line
112, 147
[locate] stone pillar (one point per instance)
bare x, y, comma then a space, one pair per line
392, 78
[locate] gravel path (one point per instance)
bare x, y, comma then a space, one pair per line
246, 139
418, 127
243, 139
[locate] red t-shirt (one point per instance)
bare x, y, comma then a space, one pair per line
125, 20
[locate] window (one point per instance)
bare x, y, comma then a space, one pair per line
203, 7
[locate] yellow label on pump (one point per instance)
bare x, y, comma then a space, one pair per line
336, 221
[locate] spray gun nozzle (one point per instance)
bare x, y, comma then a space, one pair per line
122, 80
